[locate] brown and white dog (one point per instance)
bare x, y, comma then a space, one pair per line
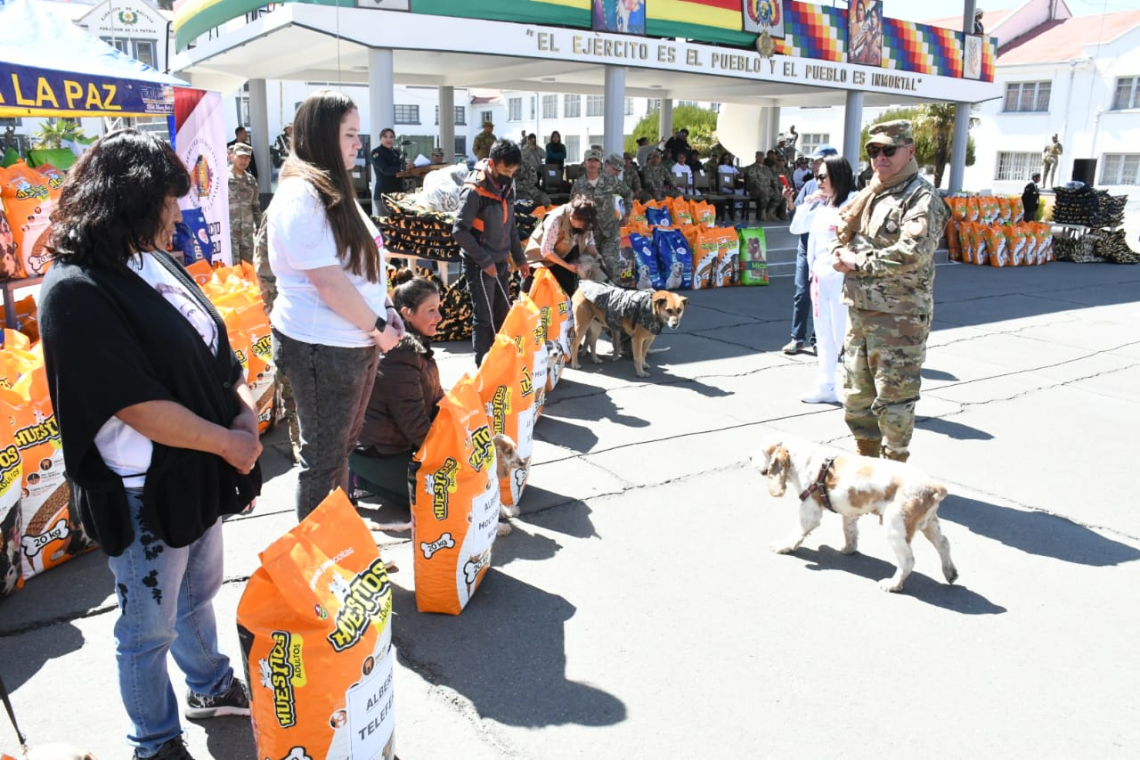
903, 497
508, 463
640, 314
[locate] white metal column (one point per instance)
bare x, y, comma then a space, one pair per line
614, 119
381, 97
958, 146
665, 118
852, 128
773, 126
260, 137
447, 122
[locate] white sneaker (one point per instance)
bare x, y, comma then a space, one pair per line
822, 396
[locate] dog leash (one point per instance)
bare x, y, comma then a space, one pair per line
12, 717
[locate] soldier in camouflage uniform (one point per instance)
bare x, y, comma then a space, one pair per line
657, 179
601, 187
483, 141
761, 183
267, 282
632, 178
886, 242
245, 205
526, 185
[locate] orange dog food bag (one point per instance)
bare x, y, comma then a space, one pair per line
455, 503
525, 327
509, 394
554, 308
315, 626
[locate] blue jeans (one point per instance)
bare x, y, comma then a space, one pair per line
490, 303
331, 387
166, 604
801, 301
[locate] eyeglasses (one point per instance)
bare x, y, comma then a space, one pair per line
887, 150
821, 177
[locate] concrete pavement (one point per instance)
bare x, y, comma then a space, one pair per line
637, 612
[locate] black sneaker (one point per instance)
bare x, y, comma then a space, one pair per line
175, 749
233, 701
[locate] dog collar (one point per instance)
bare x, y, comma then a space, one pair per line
820, 485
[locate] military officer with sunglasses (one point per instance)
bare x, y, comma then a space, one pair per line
885, 246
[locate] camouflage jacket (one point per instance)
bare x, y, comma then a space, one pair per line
658, 180
245, 204
609, 225
632, 179
526, 184
760, 179
895, 253
482, 145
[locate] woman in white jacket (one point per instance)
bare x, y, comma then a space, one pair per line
819, 215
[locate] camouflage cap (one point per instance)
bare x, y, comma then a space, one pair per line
242, 149
615, 160
891, 133
488, 124
592, 153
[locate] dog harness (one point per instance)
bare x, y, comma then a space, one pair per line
820, 485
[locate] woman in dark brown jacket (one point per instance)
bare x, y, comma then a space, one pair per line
404, 397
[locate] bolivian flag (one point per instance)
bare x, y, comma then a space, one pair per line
718, 21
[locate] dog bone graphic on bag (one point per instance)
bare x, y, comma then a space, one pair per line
455, 493
315, 628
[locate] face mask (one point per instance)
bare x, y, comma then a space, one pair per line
502, 179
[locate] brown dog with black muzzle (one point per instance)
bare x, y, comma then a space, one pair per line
640, 314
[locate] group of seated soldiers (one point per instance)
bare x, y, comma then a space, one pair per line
669, 171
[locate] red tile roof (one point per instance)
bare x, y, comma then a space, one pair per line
1063, 40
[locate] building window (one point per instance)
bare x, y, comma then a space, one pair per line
13, 122
573, 148
118, 44
1127, 93
810, 141
550, 106
1016, 167
407, 114
514, 112
486, 117
572, 106
655, 105
460, 146
595, 105
1120, 169
693, 103
144, 53
1027, 97
715, 107
533, 106
629, 106
460, 115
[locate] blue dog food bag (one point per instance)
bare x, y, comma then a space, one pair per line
657, 216
674, 258
648, 274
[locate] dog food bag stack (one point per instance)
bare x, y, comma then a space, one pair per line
674, 258
554, 309
29, 202
315, 626
455, 503
509, 395
705, 254
753, 257
524, 326
12, 357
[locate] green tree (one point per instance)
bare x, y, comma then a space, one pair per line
933, 135
54, 132
701, 123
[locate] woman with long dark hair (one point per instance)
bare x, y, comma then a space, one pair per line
556, 149
158, 426
564, 242
818, 215
332, 315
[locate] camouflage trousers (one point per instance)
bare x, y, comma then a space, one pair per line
882, 358
242, 249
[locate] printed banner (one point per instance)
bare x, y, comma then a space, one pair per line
29, 91
621, 16
972, 66
865, 32
200, 141
764, 16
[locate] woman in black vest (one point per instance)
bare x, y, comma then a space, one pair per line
158, 426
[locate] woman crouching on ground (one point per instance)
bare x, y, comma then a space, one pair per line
404, 398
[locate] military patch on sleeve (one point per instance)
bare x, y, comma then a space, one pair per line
915, 227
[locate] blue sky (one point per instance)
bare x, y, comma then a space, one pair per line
925, 10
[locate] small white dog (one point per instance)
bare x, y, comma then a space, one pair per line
508, 463
852, 486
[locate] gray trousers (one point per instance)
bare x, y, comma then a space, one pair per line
331, 387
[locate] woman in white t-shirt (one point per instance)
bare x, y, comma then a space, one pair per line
818, 215
332, 315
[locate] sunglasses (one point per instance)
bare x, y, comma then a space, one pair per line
887, 150
821, 177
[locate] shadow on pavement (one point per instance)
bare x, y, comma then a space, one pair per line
22, 655
229, 738
1037, 533
506, 653
559, 432
593, 405
918, 585
572, 518
950, 429
937, 374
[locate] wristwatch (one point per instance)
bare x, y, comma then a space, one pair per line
381, 323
